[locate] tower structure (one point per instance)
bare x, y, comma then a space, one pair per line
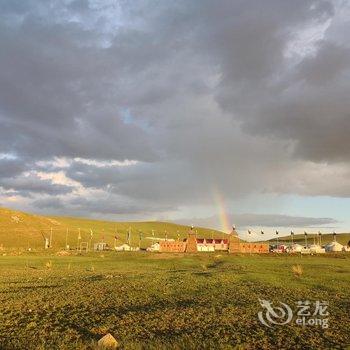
234, 241
191, 246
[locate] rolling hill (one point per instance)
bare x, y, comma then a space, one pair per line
23, 230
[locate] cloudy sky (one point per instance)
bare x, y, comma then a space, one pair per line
211, 112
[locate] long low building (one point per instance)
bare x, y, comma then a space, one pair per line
172, 246
211, 244
239, 247
231, 244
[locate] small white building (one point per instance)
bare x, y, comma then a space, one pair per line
100, 246
205, 248
126, 248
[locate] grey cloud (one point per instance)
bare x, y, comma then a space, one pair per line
113, 205
49, 203
27, 185
156, 183
110, 205
11, 167
246, 221
281, 221
57, 90
203, 94
329, 64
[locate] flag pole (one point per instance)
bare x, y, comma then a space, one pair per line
66, 247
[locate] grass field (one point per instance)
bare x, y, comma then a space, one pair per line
163, 301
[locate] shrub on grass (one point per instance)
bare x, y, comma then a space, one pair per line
297, 270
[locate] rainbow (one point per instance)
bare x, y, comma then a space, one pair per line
222, 211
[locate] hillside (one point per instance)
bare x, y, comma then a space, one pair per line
23, 230
342, 238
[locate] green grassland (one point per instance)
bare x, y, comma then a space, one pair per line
65, 300
22, 230
164, 301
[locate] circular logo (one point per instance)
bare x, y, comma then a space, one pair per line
274, 315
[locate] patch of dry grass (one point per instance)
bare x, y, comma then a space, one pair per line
297, 270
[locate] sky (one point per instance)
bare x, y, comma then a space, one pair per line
203, 112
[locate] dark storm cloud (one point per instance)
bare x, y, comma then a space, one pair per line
27, 185
205, 95
106, 205
141, 181
114, 205
51, 203
11, 167
57, 95
273, 96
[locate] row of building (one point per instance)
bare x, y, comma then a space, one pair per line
315, 248
193, 244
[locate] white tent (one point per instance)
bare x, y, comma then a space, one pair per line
317, 249
305, 250
122, 248
295, 248
334, 247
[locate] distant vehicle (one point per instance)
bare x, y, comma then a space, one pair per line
280, 248
154, 247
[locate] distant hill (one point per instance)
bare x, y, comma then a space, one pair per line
342, 238
23, 230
